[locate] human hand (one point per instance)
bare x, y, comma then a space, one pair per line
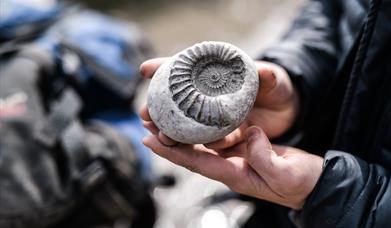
275, 108
248, 163
283, 175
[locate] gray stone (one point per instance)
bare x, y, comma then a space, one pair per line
203, 93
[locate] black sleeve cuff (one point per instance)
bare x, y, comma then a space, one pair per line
349, 193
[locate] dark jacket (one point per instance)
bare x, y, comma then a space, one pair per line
338, 54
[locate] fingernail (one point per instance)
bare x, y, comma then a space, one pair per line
274, 75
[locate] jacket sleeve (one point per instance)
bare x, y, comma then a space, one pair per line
349, 193
309, 51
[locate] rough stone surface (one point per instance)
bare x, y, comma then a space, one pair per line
203, 93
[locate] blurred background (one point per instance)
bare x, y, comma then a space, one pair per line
169, 27
172, 26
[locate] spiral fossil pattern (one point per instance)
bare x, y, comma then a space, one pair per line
200, 75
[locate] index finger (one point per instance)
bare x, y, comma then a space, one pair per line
148, 68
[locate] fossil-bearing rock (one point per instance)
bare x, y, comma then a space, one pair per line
203, 93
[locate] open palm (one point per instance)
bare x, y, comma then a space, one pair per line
254, 167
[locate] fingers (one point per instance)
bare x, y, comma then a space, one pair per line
267, 77
148, 68
268, 80
196, 159
230, 140
148, 124
166, 140
276, 88
147, 120
238, 150
151, 127
260, 155
144, 113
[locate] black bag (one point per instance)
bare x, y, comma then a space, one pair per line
55, 169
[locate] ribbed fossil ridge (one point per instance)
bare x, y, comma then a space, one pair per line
200, 75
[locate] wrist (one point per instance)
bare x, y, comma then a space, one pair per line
315, 173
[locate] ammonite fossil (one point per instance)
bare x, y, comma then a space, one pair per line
203, 93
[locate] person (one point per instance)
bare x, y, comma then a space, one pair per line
324, 101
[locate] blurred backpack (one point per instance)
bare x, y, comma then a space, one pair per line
70, 146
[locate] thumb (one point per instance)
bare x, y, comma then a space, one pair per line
267, 76
149, 67
259, 154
